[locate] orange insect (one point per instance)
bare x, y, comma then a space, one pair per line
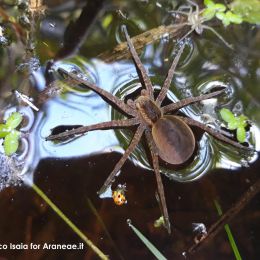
119, 195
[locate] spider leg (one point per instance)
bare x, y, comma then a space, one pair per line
218, 35
179, 12
169, 77
103, 93
213, 132
187, 101
186, 35
136, 138
194, 4
100, 126
145, 80
161, 193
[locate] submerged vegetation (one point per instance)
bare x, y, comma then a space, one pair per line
39, 44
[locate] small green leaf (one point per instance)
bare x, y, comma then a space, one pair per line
234, 18
242, 120
219, 7
208, 14
248, 10
220, 16
209, 3
233, 125
4, 130
227, 115
241, 134
11, 142
159, 222
14, 120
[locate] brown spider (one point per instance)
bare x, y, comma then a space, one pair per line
169, 136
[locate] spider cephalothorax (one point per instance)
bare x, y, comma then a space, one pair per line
168, 136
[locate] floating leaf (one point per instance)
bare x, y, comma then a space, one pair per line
211, 9
219, 7
209, 3
241, 134
242, 120
233, 125
4, 130
14, 120
11, 142
248, 10
227, 115
234, 18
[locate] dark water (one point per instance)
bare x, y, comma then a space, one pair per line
71, 174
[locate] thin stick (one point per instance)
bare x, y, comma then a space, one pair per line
227, 217
103, 93
169, 77
145, 80
213, 132
69, 222
160, 187
136, 138
187, 101
100, 126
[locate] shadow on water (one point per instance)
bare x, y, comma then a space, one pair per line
71, 173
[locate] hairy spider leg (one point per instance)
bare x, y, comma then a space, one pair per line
135, 140
218, 35
100, 126
103, 93
187, 101
140, 69
213, 132
160, 187
194, 4
168, 80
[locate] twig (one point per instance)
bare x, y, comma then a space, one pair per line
121, 50
88, 242
227, 217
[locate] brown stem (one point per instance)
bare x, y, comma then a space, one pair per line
121, 50
227, 217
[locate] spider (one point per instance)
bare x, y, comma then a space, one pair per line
168, 136
196, 21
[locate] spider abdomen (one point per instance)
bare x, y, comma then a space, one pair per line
174, 139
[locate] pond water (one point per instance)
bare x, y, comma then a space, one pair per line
75, 35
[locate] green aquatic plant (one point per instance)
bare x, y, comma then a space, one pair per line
229, 233
158, 222
212, 9
10, 134
249, 10
238, 123
229, 17
220, 11
147, 243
